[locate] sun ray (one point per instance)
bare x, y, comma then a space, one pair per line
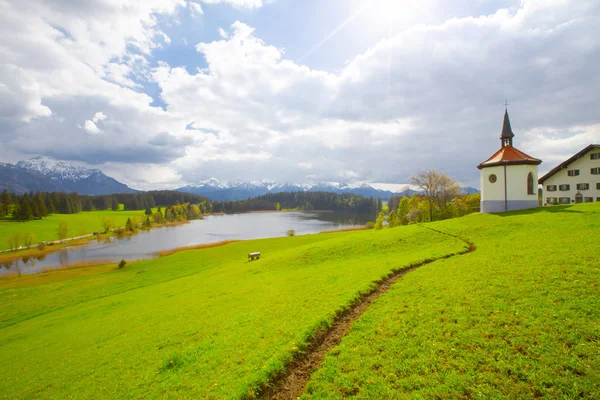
335, 31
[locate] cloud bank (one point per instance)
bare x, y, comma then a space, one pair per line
72, 81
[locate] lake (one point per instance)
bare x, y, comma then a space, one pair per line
212, 229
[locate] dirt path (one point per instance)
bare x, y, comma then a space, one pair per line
291, 384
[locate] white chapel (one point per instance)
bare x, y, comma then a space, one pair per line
509, 177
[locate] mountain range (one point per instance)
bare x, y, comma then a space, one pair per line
217, 190
48, 174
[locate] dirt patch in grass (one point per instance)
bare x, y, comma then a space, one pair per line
291, 384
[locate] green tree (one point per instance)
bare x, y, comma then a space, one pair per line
157, 217
5, 202
278, 206
49, 201
379, 221
148, 211
393, 219
24, 212
129, 225
40, 205
114, 203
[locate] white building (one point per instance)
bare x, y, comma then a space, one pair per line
576, 180
508, 178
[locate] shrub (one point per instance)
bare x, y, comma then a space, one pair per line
122, 263
370, 225
129, 226
41, 246
291, 232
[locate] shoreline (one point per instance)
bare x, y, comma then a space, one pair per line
33, 251
106, 265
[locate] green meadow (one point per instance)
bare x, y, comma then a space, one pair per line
518, 318
196, 324
46, 229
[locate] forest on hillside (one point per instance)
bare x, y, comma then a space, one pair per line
38, 205
306, 201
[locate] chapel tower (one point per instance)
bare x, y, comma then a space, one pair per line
509, 177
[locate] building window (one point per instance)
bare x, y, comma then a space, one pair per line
564, 200
595, 171
573, 172
551, 200
530, 189
595, 156
588, 199
564, 188
597, 198
598, 185
583, 186
551, 188
578, 198
493, 178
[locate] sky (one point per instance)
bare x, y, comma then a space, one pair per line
165, 93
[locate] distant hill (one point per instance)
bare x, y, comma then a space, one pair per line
50, 175
468, 190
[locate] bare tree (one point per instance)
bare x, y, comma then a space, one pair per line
63, 230
13, 241
108, 224
29, 240
439, 188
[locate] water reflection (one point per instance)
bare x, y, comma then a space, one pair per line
212, 229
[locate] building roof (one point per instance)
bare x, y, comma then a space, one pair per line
508, 155
566, 163
507, 132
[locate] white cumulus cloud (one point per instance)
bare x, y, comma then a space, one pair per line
429, 96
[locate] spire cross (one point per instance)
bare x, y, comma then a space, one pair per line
506, 104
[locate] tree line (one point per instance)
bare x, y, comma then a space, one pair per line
38, 205
440, 199
302, 201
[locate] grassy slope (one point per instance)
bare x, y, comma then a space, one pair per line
197, 324
46, 229
518, 318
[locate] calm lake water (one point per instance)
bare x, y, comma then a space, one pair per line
146, 244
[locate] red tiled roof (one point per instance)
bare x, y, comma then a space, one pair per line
508, 155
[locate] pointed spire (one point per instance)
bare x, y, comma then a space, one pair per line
506, 128
506, 138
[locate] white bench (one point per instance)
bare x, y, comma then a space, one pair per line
254, 256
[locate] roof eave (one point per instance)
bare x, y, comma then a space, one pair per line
500, 163
566, 163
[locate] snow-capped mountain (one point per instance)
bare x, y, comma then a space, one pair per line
217, 190
57, 170
48, 174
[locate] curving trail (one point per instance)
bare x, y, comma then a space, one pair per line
291, 384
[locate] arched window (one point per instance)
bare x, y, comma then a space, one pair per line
530, 189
